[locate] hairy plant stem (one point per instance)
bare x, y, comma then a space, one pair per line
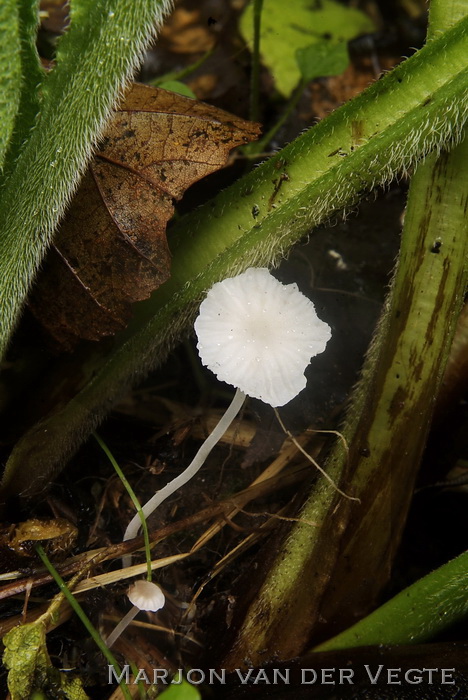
10, 72
348, 557
259, 146
104, 44
420, 105
30, 81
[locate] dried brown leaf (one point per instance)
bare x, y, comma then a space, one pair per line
111, 249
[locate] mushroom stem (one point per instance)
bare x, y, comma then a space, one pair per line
197, 462
123, 624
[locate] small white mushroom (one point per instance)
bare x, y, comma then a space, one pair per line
258, 335
144, 595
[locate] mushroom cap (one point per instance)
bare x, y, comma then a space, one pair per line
146, 595
259, 335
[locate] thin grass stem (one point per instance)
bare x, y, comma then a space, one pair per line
255, 75
140, 514
78, 610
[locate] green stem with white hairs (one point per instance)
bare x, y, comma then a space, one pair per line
30, 82
95, 60
350, 553
419, 106
10, 72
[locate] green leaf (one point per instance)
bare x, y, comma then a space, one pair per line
305, 22
178, 87
30, 669
390, 413
184, 691
415, 615
383, 131
95, 60
71, 687
32, 76
322, 58
27, 659
10, 72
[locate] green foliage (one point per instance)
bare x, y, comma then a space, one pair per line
134, 500
383, 131
178, 87
304, 23
416, 614
322, 58
10, 72
184, 691
30, 670
78, 610
30, 81
420, 106
178, 75
26, 658
103, 46
400, 380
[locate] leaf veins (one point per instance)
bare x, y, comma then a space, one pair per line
111, 249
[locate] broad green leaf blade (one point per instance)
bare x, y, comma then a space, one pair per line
304, 22
32, 75
26, 658
30, 670
10, 72
322, 58
95, 59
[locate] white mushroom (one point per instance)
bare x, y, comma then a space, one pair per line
258, 335
144, 595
